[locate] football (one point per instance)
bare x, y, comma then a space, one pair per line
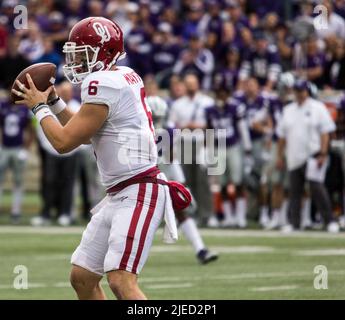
43, 75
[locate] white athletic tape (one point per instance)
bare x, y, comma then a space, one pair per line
58, 106
43, 113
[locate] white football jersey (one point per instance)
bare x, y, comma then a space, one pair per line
125, 145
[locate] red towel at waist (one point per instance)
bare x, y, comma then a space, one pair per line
180, 196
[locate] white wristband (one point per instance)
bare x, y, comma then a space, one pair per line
43, 113
58, 106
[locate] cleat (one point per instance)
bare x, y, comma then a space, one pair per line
213, 222
205, 256
333, 227
64, 220
287, 229
40, 221
228, 223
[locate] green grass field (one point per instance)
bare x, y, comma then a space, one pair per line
252, 265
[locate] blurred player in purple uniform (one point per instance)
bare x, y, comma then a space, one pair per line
261, 130
261, 62
16, 135
229, 114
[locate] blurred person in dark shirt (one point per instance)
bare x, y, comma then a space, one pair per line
7, 13
335, 68
198, 60
170, 16
50, 54
339, 7
212, 20
226, 76
147, 20
12, 64
285, 43
164, 54
246, 39
191, 24
309, 61
270, 23
139, 46
229, 37
235, 12
31, 44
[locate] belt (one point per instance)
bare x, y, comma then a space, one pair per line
180, 196
148, 176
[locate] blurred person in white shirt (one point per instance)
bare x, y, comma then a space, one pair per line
188, 112
303, 132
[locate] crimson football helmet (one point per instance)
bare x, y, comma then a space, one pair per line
94, 44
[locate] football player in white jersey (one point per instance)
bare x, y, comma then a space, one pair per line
114, 116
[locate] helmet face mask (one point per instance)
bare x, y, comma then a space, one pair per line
94, 44
80, 61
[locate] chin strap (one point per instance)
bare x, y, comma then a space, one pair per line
119, 56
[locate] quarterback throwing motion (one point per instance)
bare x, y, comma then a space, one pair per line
116, 119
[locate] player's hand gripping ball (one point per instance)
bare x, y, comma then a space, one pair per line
34, 84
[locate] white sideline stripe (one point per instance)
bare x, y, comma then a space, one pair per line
321, 252
31, 285
188, 280
204, 232
277, 288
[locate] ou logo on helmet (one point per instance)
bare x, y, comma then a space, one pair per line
102, 31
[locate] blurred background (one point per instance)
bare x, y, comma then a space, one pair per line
249, 50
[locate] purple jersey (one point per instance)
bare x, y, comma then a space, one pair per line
164, 56
226, 118
139, 48
317, 60
13, 121
215, 25
263, 66
275, 112
260, 105
312, 61
226, 79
